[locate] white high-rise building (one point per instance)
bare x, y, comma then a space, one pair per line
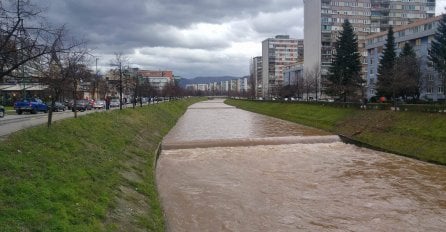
277, 53
256, 75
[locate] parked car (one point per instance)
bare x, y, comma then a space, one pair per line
99, 104
91, 102
82, 105
69, 104
31, 105
58, 106
114, 103
2, 111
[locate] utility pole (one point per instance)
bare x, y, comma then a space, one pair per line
120, 85
96, 84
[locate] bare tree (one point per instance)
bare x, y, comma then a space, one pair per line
308, 86
118, 63
23, 36
252, 86
312, 82
407, 78
64, 66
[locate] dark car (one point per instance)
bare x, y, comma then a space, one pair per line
58, 106
2, 111
82, 105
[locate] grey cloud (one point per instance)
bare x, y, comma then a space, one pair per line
116, 25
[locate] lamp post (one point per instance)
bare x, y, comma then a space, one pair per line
120, 85
96, 84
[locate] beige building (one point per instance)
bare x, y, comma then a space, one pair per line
277, 53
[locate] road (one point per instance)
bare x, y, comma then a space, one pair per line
13, 122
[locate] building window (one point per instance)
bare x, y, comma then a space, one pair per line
430, 77
441, 90
429, 90
418, 42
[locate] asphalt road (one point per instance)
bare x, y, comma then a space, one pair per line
13, 122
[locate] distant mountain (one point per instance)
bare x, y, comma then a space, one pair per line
204, 80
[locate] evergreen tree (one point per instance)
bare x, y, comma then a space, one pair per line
408, 51
406, 81
345, 79
438, 50
386, 67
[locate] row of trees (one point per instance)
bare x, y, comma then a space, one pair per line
399, 76
307, 87
32, 47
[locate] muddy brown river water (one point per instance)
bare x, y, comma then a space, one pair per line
224, 169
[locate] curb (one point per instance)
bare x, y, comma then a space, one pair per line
155, 163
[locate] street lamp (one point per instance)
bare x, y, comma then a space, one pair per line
120, 85
96, 84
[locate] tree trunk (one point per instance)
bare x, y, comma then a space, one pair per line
50, 112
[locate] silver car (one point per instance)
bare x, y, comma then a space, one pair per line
114, 103
99, 104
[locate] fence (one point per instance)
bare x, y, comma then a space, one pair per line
431, 108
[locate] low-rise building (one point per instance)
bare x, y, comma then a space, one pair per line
157, 79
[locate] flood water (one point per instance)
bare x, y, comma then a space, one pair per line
294, 179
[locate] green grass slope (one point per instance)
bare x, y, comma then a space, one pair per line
93, 173
414, 134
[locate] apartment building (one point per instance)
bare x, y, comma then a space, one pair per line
366, 17
419, 34
277, 53
256, 75
398, 13
157, 79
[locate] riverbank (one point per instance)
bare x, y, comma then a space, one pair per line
413, 134
93, 173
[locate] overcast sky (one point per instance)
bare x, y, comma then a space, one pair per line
191, 37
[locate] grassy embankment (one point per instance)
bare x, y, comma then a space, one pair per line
93, 173
414, 134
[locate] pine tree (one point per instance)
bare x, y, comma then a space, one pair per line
386, 67
345, 71
406, 81
438, 50
408, 51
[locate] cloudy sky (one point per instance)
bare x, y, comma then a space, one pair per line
191, 37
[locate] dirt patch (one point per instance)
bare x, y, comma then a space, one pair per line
370, 121
131, 205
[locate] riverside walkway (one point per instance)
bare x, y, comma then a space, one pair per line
225, 169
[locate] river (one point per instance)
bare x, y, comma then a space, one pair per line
225, 169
